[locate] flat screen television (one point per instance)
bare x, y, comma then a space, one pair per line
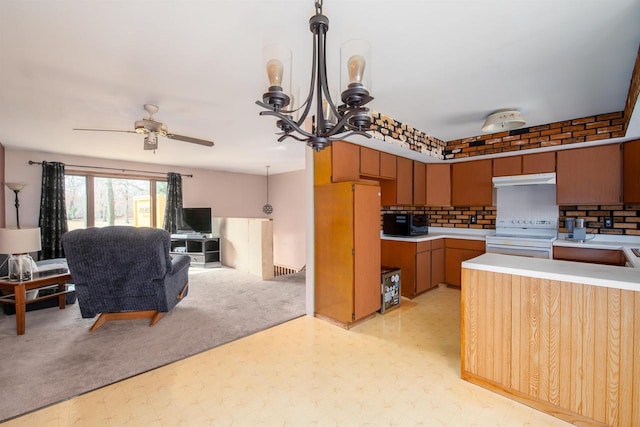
196, 220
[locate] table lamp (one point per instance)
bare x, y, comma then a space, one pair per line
18, 242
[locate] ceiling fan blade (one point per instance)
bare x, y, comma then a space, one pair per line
189, 139
107, 130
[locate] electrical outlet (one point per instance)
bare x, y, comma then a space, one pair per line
608, 222
474, 219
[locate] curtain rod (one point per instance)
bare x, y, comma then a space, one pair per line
31, 162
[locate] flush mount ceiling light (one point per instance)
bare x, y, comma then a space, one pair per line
503, 120
331, 122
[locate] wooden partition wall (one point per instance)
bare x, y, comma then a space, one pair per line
568, 349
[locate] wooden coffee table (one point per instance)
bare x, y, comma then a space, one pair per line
53, 279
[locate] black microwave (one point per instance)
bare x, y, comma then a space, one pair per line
405, 224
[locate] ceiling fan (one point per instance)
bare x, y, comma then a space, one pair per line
151, 129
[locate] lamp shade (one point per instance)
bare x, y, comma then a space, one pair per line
15, 186
19, 240
503, 120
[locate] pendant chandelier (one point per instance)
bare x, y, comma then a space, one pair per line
267, 209
331, 122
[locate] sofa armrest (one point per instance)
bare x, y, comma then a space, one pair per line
179, 262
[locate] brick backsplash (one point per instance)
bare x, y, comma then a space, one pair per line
458, 217
626, 218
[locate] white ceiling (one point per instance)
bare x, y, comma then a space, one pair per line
440, 66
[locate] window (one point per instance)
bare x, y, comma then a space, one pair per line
75, 194
101, 200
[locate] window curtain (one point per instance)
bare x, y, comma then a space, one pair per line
173, 209
53, 211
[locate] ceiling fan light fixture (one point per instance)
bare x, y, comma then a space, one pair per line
503, 120
151, 129
140, 127
151, 141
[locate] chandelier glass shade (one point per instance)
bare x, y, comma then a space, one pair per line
331, 122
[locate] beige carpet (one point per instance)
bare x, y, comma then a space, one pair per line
58, 358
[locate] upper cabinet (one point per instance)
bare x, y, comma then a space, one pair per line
631, 180
526, 164
539, 162
471, 183
338, 163
506, 166
345, 161
438, 184
400, 191
387, 166
591, 175
419, 183
404, 181
369, 162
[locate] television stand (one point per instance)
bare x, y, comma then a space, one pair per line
204, 251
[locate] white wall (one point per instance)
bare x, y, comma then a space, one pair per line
228, 195
287, 196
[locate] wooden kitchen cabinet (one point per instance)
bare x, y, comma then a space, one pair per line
631, 172
376, 164
419, 183
400, 191
591, 175
438, 184
347, 251
369, 162
437, 262
416, 262
345, 162
404, 181
507, 166
525, 164
338, 163
591, 255
539, 162
457, 251
471, 183
387, 166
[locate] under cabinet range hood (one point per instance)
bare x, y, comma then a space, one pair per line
531, 179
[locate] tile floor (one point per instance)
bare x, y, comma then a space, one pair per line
398, 369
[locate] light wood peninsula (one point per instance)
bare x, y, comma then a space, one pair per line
560, 336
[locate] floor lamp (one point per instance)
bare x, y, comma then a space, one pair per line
16, 187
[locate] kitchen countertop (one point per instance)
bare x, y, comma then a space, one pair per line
443, 233
566, 271
623, 243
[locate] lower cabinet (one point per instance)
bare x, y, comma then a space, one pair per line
457, 251
421, 263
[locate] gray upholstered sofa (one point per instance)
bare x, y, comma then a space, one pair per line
125, 272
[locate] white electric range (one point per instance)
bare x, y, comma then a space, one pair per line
532, 237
